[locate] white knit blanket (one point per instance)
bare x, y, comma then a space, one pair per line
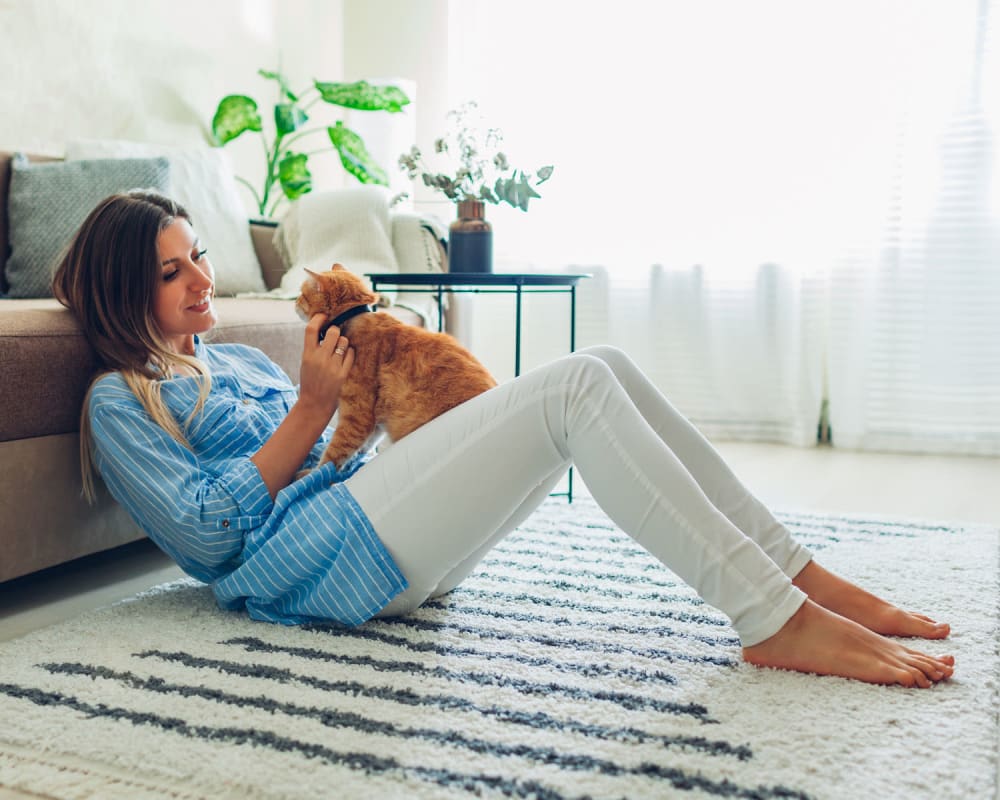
356, 227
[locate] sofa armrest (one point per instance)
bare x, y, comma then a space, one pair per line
271, 265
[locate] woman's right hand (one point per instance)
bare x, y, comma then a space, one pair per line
321, 379
324, 368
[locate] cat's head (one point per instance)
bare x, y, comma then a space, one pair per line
332, 293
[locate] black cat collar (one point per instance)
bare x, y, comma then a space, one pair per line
340, 319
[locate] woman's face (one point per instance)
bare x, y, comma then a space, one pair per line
183, 305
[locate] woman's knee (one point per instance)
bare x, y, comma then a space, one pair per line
585, 367
614, 357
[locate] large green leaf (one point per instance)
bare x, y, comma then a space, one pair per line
355, 157
288, 117
236, 113
363, 96
296, 180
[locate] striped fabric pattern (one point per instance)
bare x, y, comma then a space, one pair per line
570, 665
311, 553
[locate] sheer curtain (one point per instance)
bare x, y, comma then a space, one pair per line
727, 171
915, 305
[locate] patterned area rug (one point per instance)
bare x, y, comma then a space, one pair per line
570, 665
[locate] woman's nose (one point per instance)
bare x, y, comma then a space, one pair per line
201, 277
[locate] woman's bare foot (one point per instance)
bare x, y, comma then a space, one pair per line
844, 598
822, 642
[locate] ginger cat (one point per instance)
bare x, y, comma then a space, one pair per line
402, 377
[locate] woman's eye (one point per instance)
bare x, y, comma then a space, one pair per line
169, 276
200, 254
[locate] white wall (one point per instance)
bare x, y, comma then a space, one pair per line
405, 39
155, 70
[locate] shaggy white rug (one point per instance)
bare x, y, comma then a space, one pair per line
570, 665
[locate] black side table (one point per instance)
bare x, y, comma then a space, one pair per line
441, 283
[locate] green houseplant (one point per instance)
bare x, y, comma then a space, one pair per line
480, 173
287, 167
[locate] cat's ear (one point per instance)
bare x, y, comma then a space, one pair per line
312, 281
335, 267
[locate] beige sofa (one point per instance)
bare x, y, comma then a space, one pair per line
45, 368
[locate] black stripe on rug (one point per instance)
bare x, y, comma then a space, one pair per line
638, 560
370, 764
628, 700
563, 585
345, 719
615, 627
551, 641
586, 670
657, 576
585, 608
699, 712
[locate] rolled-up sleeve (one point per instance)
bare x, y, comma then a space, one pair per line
197, 517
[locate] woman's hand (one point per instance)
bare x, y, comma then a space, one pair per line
324, 368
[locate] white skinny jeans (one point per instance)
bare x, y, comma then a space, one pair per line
442, 497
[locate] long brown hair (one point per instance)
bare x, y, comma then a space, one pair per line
108, 279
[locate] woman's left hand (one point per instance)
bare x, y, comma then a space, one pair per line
325, 366
324, 370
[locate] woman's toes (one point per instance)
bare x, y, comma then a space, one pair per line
936, 630
906, 676
932, 668
904, 623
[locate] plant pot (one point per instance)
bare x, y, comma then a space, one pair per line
470, 239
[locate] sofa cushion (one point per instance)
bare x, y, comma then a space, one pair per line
202, 181
47, 204
47, 364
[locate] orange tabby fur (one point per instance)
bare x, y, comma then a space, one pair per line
402, 377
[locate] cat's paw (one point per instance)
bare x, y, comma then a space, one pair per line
301, 474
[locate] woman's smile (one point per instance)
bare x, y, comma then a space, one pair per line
201, 307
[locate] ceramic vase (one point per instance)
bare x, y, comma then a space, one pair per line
470, 239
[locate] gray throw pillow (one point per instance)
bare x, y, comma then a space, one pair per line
49, 201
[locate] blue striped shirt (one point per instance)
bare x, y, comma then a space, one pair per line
311, 553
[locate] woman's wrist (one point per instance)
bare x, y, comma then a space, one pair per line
319, 410
289, 446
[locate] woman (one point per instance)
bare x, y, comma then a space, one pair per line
202, 445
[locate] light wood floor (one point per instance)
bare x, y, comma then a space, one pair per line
820, 479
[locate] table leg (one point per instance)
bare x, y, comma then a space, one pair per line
517, 332
572, 348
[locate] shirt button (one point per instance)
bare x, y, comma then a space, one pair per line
225, 523
246, 402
